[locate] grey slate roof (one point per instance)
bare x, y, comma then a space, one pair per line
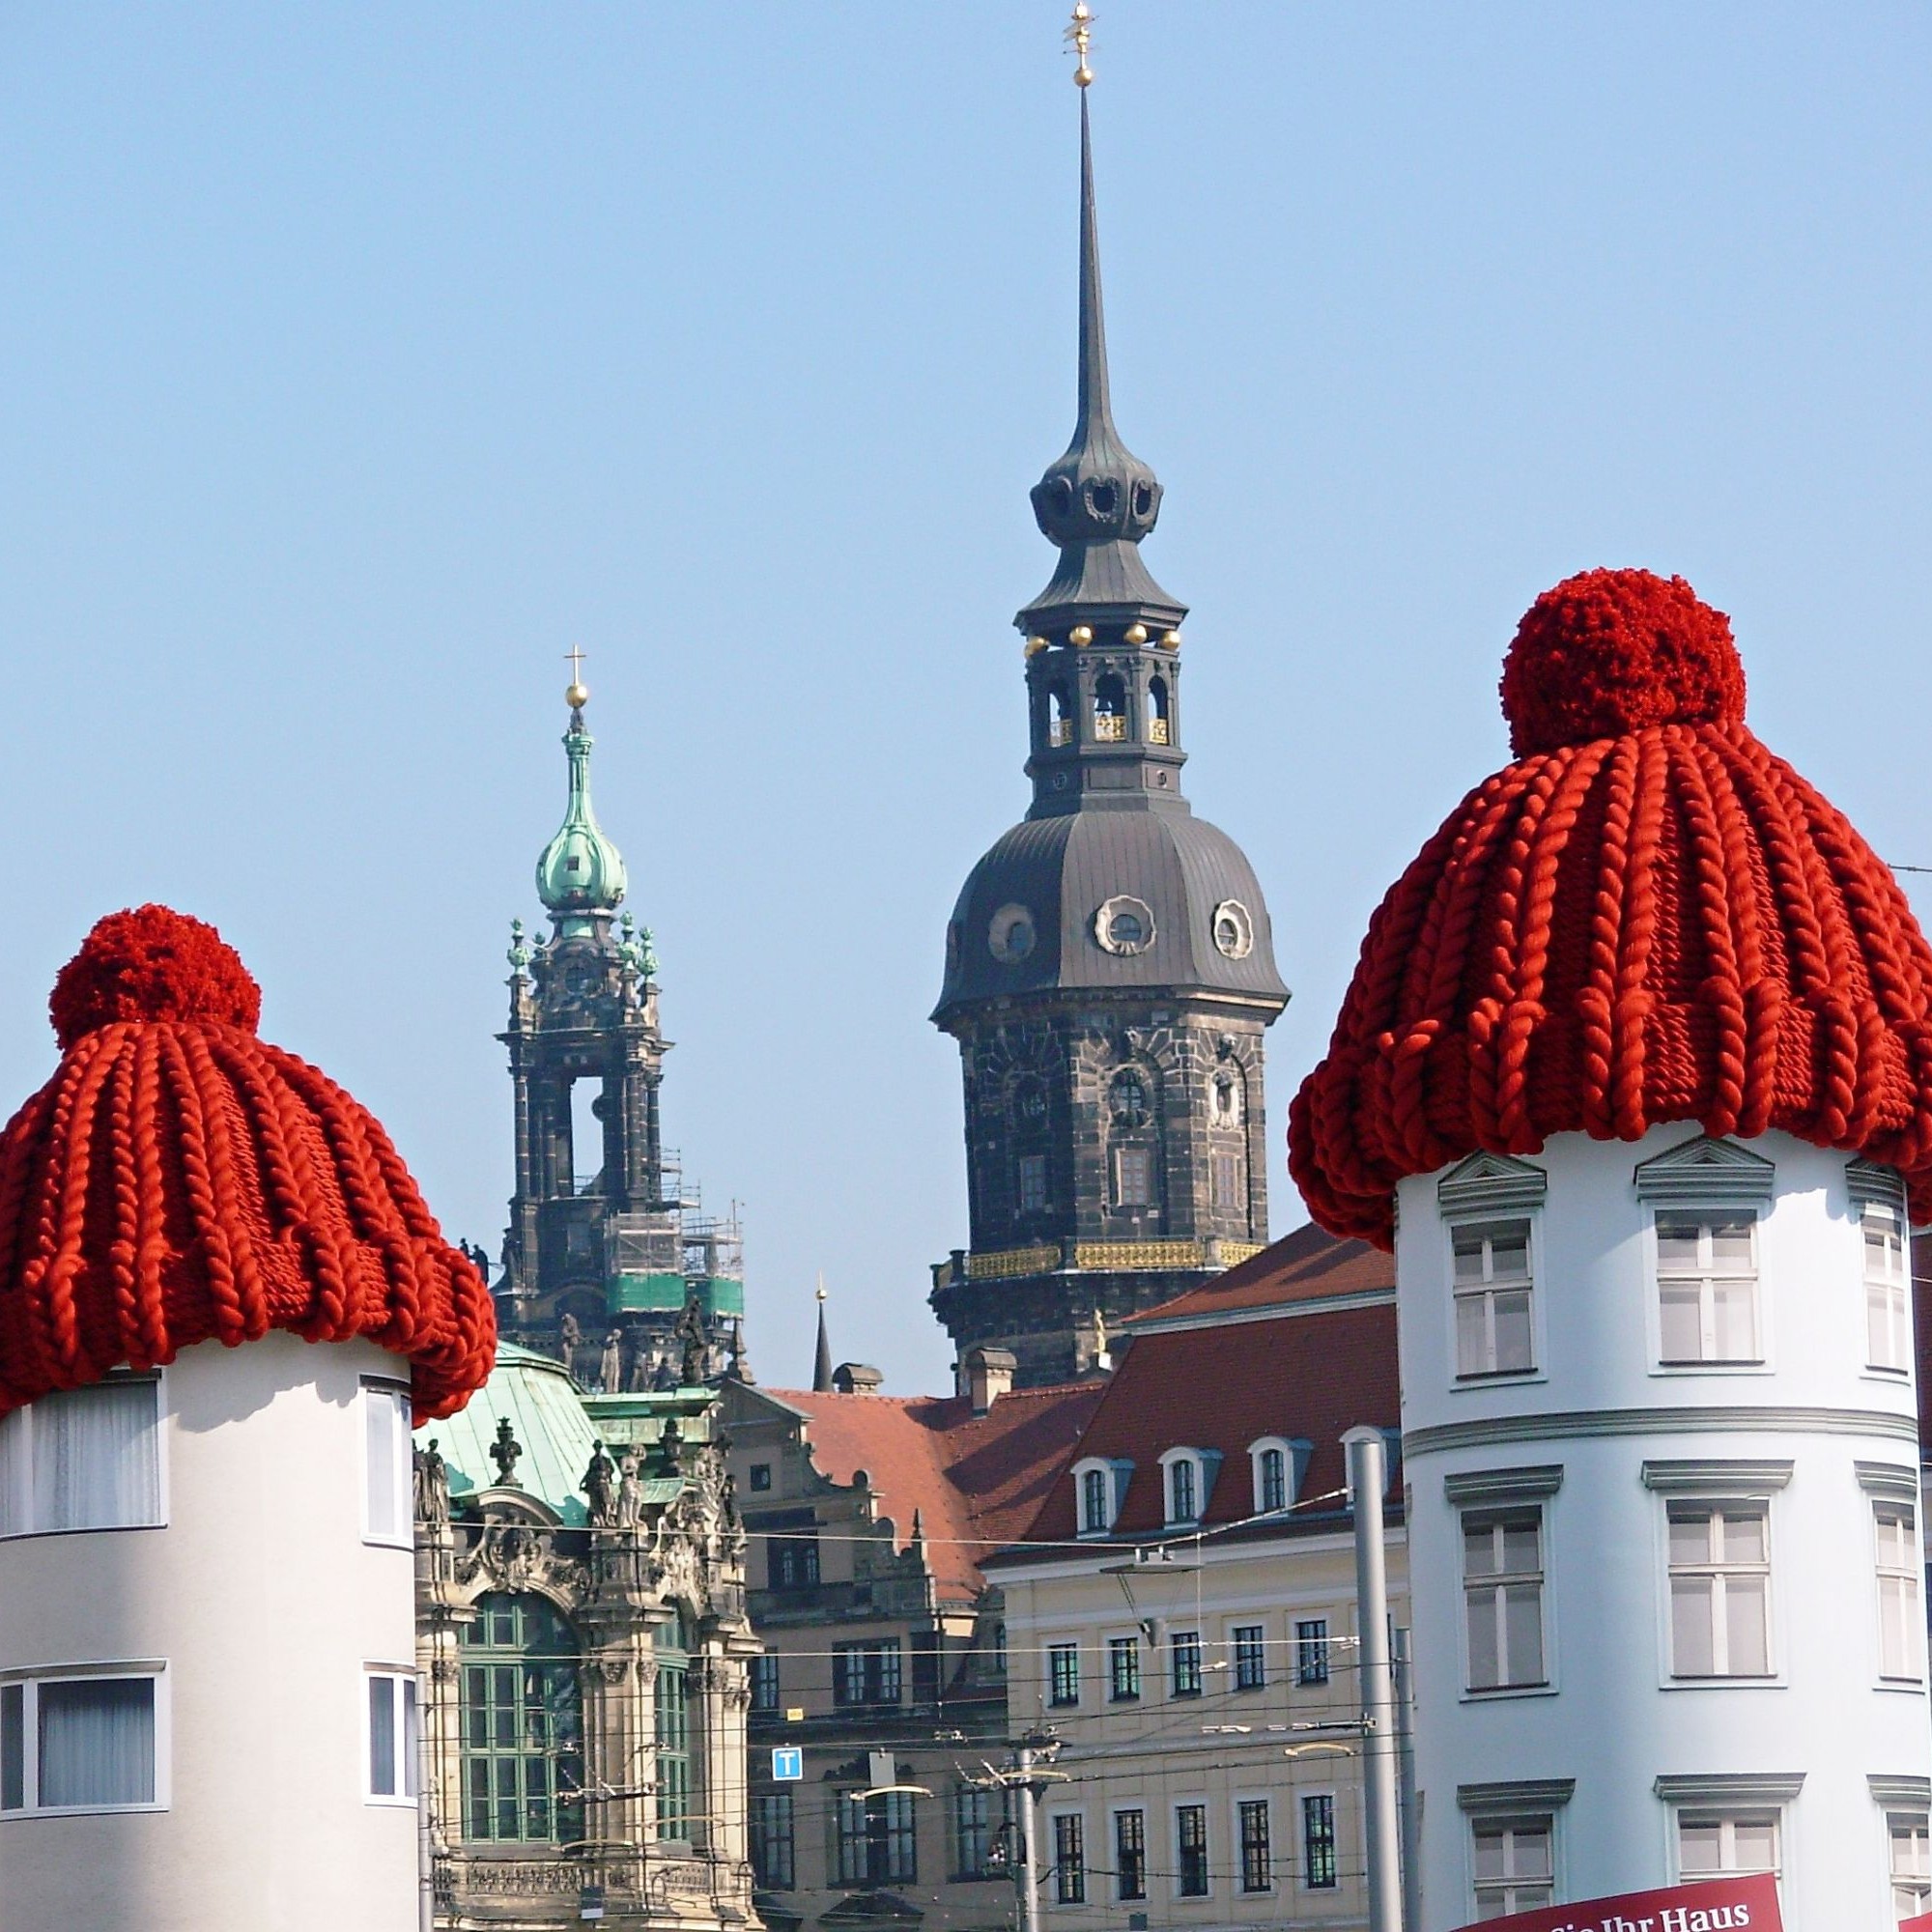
1063, 868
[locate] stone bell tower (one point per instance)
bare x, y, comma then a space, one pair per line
1109, 965
604, 1252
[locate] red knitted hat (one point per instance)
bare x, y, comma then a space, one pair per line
178, 1180
1646, 918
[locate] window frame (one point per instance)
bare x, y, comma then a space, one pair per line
30, 1683
1247, 1648
1708, 1212
1184, 1810
984, 1831
1897, 1291
1058, 1654
1114, 1475
1294, 1456
1186, 1664
1130, 1648
1140, 1156
890, 1833
1314, 1651
1483, 1226
1913, 1821
1912, 1575
396, 1394
1247, 1806
19, 1423
1502, 1892
1203, 1467
1513, 1805
1323, 1873
773, 1825
1718, 1485
763, 1681
1069, 1841
1498, 1517
1124, 1893
880, 1657
405, 1713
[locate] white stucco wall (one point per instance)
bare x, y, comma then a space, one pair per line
265, 1604
1599, 1408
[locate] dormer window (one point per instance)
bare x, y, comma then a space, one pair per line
1188, 1480
1277, 1465
1099, 1487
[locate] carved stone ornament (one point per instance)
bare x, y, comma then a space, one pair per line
1123, 925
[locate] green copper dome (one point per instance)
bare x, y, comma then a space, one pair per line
580, 869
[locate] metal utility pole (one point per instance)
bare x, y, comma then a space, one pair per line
1028, 1775
1404, 1738
1368, 1480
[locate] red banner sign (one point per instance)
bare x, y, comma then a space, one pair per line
1714, 1905
1922, 1923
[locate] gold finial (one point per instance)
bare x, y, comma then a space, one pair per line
1080, 36
821, 1283
579, 693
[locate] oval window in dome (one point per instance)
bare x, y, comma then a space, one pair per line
1123, 925
1010, 934
1233, 929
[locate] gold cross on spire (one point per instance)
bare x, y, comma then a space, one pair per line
1080, 36
579, 693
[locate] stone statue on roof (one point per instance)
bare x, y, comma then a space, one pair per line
599, 1485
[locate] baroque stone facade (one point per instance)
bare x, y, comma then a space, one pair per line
584, 1650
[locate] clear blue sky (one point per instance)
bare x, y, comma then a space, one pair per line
356, 361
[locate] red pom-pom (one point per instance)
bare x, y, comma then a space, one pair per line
1612, 651
151, 964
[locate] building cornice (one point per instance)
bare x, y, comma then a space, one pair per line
1766, 1419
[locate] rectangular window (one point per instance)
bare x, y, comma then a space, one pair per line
1250, 1657
1185, 1664
877, 1845
1225, 1181
1257, 1868
1720, 1591
1707, 1287
1183, 1499
973, 1831
1887, 1313
1493, 1300
1131, 1854
774, 1848
78, 1743
1512, 1858
1124, 1669
1190, 1841
1901, 1627
1502, 1594
394, 1743
866, 1673
1093, 1511
1726, 1844
1133, 1177
792, 1562
1063, 1661
1032, 1182
1911, 1863
761, 1475
1069, 1860
1318, 1842
765, 1683
388, 1503
1272, 1481
83, 1459
1311, 1651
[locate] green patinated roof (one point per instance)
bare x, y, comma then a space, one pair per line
547, 1416
580, 869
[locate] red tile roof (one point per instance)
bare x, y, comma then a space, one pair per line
1310, 1374
976, 1480
1310, 1264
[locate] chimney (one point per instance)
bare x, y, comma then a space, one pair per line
856, 1379
989, 1374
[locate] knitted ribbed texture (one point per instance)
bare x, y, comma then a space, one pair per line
179, 1179
1667, 925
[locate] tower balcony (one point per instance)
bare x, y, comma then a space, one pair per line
1110, 727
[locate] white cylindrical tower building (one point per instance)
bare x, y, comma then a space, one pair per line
1636, 1074
220, 1300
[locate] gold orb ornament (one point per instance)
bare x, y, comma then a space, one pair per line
1081, 634
1171, 639
1137, 634
577, 696
1034, 645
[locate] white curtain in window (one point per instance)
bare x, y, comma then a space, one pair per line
14, 1489
97, 1742
386, 1453
97, 1457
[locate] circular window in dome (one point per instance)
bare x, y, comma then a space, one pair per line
1233, 929
1012, 935
1123, 925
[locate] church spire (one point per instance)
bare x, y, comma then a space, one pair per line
581, 872
1098, 499
821, 1366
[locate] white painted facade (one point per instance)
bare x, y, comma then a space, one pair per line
258, 1606
1561, 1481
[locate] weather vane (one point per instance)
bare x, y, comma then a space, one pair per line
1080, 36
580, 691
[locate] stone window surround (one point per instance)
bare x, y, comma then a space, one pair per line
1510, 1800
1728, 1791
1719, 1480
1528, 1486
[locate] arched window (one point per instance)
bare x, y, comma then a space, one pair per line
1060, 724
1129, 1097
1093, 1511
1109, 709
1158, 733
522, 1723
672, 1641
1182, 1504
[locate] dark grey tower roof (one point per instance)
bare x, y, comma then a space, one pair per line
1098, 499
